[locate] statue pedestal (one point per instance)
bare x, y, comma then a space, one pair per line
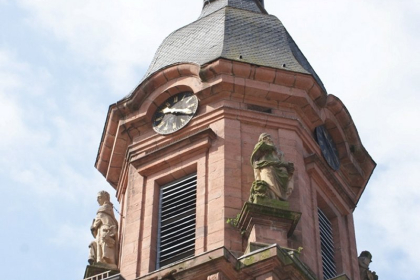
266, 224
96, 269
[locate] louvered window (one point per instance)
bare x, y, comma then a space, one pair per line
177, 211
327, 246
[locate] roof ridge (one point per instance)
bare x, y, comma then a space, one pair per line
261, 6
211, 6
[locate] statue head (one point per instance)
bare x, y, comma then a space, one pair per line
266, 138
366, 254
103, 197
365, 259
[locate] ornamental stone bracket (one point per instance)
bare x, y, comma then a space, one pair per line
267, 224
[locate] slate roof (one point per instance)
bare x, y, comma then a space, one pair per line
238, 30
211, 6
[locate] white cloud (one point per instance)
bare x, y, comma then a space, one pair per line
15, 87
71, 236
46, 134
11, 123
116, 36
386, 221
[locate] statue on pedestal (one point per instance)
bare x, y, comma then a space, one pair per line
365, 259
273, 175
103, 250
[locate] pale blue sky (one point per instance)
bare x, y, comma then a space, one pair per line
62, 63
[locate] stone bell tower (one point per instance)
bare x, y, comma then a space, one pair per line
231, 161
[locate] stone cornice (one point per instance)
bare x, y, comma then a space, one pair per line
229, 82
148, 162
221, 260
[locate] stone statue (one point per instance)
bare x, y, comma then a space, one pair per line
103, 250
273, 175
365, 259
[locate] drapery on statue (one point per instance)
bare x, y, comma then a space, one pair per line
273, 175
365, 259
103, 250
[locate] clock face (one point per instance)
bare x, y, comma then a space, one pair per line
327, 145
175, 113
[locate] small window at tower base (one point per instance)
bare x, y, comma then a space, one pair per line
177, 214
259, 108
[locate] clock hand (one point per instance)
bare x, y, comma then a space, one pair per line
182, 111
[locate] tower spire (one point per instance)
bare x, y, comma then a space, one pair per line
214, 87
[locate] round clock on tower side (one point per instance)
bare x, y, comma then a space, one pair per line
175, 113
328, 148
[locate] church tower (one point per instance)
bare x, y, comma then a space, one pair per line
231, 161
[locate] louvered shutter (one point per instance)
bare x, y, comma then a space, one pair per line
177, 212
327, 246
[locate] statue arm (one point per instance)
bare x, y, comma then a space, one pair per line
97, 222
260, 149
255, 155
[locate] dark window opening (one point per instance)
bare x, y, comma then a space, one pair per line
260, 109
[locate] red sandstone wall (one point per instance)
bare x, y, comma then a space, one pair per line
224, 172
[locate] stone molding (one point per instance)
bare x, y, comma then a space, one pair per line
341, 277
272, 259
235, 83
152, 161
318, 169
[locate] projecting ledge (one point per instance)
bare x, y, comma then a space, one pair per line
267, 223
174, 152
341, 277
98, 271
221, 261
280, 258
